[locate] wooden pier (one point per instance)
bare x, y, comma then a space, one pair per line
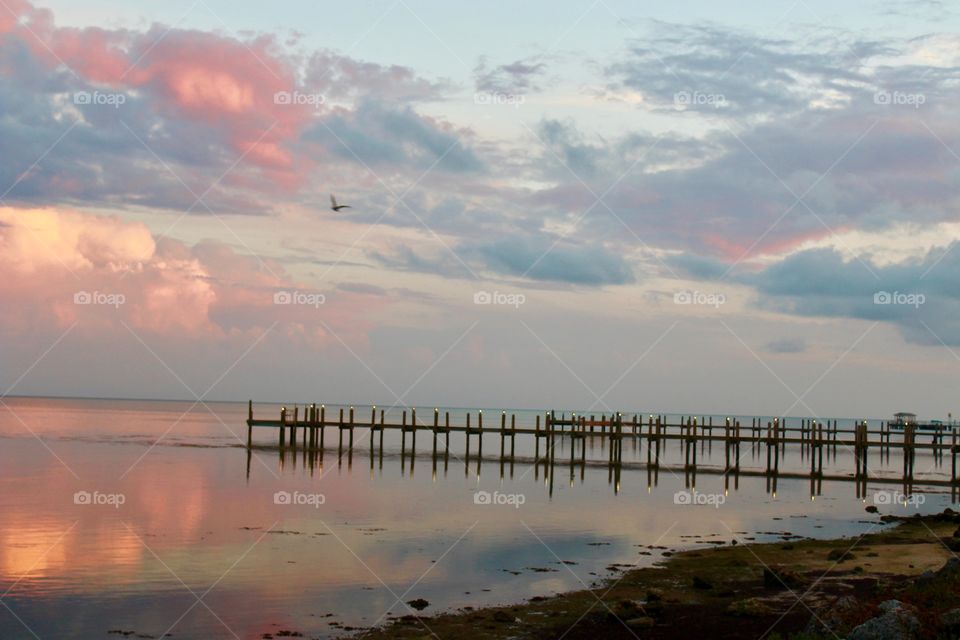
817, 440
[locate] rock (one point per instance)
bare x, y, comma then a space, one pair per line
926, 576
419, 604
840, 555
830, 619
956, 534
896, 623
502, 616
642, 622
872, 509
950, 567
700, 583
951, 619
750, 607
779, 578
626, 609
654, 595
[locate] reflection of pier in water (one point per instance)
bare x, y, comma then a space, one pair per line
819, 442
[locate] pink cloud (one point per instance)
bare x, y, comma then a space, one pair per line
11, 12
737, 249
160, 286
225, 83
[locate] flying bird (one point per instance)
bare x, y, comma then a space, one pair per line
335, 206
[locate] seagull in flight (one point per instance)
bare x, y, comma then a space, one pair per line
335, 206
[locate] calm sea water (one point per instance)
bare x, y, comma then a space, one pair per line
151, 517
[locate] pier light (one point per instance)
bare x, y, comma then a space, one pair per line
323, 406
774, 494
813, 498
726, 492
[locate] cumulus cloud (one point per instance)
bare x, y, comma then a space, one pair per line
157, 117
62, 266
921, 296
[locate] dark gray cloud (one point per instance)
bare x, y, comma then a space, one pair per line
730, 73
916, 9
696, 266
516, 78
91, 154
734, 193
338, 77
535, 258
921, 297
377, 134
541, 259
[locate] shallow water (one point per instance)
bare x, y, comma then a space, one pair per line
201, 548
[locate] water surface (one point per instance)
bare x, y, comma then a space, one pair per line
201, 548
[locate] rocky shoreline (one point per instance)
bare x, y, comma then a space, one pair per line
899, 582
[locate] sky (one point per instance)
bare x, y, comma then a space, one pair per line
657, 207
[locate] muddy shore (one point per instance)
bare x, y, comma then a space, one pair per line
903, 578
